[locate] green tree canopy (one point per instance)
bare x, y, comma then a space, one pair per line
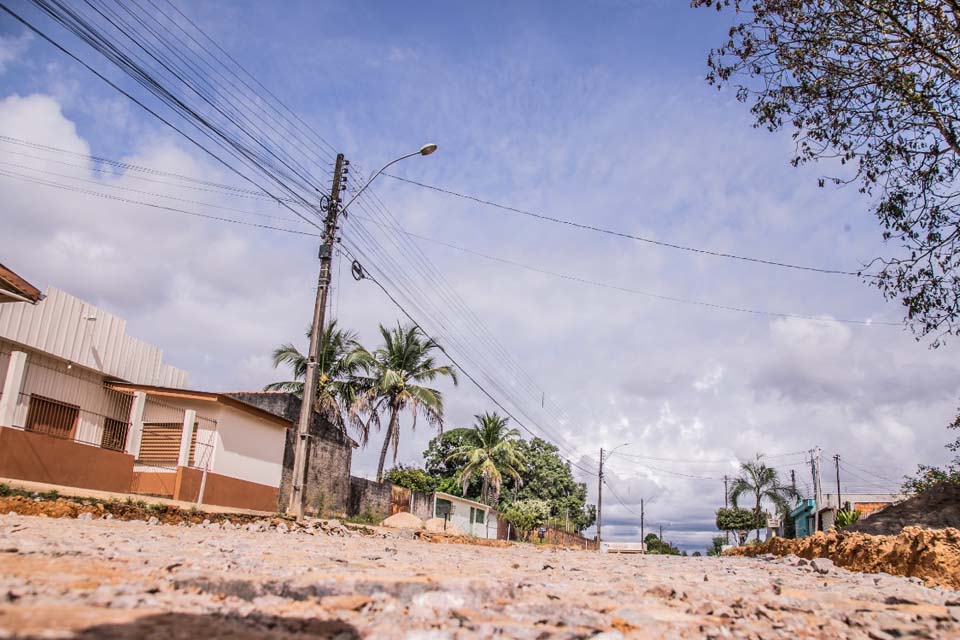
762, 484
874, 84
489, 450
412, 478
740, 521
396, 375
526, 515
716, 545
928, 476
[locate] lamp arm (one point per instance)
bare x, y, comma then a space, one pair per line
375, 176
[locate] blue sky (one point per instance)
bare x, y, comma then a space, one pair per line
595, 112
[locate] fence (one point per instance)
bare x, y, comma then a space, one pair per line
72, 405
552, 535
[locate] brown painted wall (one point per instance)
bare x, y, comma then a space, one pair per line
154, 483
40, 458
224, 491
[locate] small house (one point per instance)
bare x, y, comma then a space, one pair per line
473, 518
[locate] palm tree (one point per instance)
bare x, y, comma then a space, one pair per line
396, 372
762, 483
337, 382
489, 450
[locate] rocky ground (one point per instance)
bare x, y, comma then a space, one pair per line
106, 578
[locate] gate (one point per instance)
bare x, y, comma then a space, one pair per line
399, 499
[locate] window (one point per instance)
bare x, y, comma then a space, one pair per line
160, 444
114, 434
479, 515
444, 508
52, 417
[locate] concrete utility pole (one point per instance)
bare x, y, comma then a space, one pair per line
600, 500
836, 461
316, 333
793, 480
726, 505
817, 491
642, 541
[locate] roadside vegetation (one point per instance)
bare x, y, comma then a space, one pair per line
366, 391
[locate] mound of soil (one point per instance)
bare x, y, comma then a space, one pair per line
438, 525
932, 555
403, 520
936, 508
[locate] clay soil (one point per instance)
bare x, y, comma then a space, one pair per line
933, 555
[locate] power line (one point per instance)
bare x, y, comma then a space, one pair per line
619, 499
629, 236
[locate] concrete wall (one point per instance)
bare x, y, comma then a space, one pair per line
40, 458
463, 515
367, 496
329, 455
224, 491
421, 505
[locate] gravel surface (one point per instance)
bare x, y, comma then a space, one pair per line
98, 578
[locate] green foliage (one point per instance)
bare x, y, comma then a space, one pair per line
762, 483
338, 381
696, 554
4, 490
396, 376
547, 476
51, 495
740, 521
366, 517
412, 478
656, 546
875, 85
716, 546
436, 458
526, 515
489, 450
846, 517
927, 476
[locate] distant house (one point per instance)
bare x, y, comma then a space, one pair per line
473, 518
808, 518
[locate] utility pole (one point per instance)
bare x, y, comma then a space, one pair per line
817, 494
316, 333
726, 505
600, 500
793, 480
836, 461
661, 533
642, 541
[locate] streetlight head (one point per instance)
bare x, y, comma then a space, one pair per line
427, 149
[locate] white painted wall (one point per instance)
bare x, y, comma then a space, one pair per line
461, 516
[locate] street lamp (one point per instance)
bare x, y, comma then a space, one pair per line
425, 150
323, 285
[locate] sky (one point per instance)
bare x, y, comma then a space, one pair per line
596, 113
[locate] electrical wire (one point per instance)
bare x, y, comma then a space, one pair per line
621, 234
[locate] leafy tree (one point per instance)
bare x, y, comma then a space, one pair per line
396, 372
716, 544
740, 521
489, 450
436, 457
656, 546
761, 483
337, 382
526, 515
411, 478
547, 476
876, 85
928, 476
696, 554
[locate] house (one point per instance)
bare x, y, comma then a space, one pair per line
200, 446
59, 421
85, 405
808, 518
473, 518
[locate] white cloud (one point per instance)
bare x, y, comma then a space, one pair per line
12, 48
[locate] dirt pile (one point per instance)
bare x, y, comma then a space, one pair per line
933, 555
403, 520
936, 508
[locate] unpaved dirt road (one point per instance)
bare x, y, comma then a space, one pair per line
113, 579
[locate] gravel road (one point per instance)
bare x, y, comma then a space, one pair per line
98, 578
